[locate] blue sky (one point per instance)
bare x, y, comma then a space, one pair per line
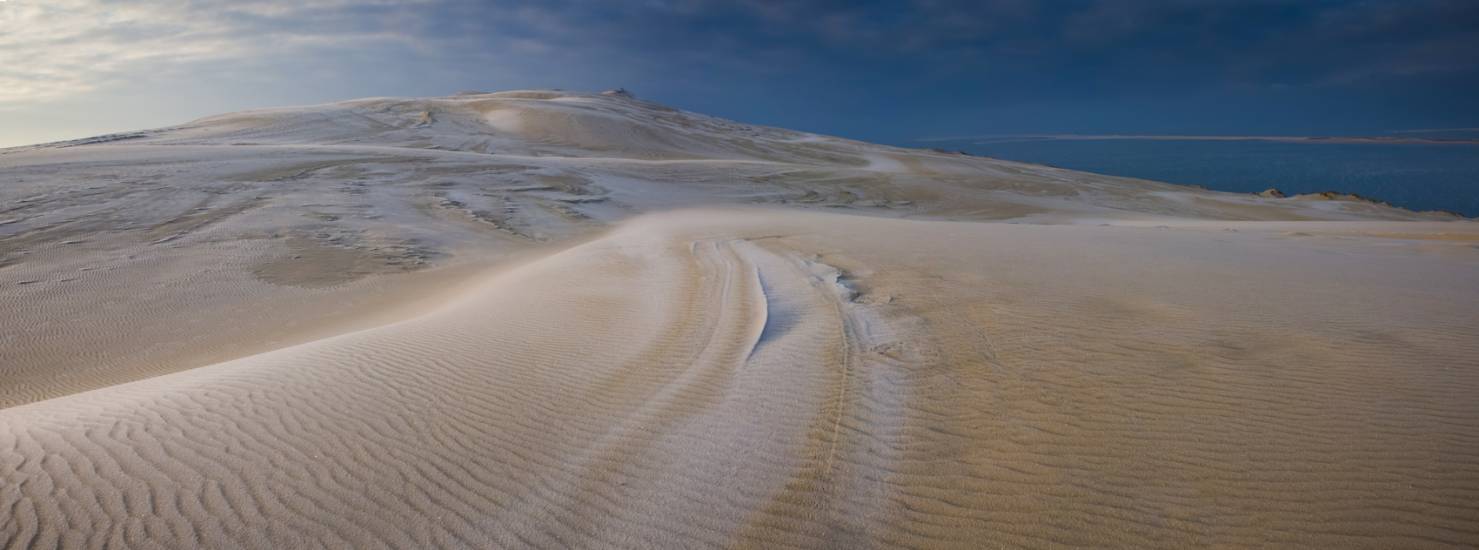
884, 71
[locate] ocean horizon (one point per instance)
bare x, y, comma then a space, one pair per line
1416, 176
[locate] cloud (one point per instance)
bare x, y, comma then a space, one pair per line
830, 64
52, 49
58, 48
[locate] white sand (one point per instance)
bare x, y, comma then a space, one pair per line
523, 319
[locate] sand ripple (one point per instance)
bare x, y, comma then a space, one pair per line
746, 379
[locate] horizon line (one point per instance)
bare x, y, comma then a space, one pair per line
1215, 137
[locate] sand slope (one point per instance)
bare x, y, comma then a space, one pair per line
168, 249
1142, 375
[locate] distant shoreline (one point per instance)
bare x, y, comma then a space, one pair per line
1140, 137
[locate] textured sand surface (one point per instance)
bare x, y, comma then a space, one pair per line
563, 320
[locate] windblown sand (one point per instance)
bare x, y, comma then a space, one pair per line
562, 320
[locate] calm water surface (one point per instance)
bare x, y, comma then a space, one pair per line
1416, 176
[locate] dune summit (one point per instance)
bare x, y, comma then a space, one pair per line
555, 319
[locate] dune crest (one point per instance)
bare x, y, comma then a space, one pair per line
557, 319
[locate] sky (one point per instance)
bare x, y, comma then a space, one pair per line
882, 71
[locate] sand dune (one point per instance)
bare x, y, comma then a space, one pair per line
560, 344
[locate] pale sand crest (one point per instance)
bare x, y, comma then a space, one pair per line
1149, 371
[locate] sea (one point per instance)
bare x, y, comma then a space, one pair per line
1418, 176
